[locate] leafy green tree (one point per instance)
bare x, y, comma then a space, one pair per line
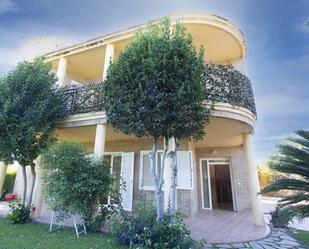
155, 89
73, 181
29, 105
293, 160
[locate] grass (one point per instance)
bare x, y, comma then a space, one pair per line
302, 236
37, 236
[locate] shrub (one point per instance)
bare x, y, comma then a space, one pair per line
75, 182
19, 213
8, 184
142, 230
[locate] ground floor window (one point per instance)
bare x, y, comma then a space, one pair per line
184, 173
145, 179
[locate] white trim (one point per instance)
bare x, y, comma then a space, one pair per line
206, 19
84, 119
202, 184
191, 171
209, 179
131, 180
222, 110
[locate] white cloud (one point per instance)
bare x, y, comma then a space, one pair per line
7, 6
29, 49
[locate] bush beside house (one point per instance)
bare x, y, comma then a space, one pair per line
142, 229
74, 183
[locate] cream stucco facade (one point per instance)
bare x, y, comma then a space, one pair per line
227, 144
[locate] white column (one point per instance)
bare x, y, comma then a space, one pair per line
109, 56
99, 144
37, 192
3, 169
254, 186
168, 174
61, 71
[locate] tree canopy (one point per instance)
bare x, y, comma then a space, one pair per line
29, 106
155, 88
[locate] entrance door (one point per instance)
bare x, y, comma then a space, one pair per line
216, 184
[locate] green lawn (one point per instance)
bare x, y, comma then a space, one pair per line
302, 236
37, 236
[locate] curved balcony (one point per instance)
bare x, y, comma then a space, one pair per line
224, 84
227, 88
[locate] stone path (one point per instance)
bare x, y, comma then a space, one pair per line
278, 239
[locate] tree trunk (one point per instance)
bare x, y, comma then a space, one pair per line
168, 174
25, 183
174, 179
33, 174
153, 163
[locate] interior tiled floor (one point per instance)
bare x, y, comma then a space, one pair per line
225, 226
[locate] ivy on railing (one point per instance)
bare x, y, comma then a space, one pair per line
83, 99
228, 85
222, 84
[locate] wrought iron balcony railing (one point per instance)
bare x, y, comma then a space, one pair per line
222, 84
226, 85
83, 99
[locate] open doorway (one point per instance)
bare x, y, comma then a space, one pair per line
217, 192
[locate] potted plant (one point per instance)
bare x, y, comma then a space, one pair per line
9, 197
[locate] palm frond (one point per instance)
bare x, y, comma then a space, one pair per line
290, 150
303, 134
293, 199
286, 184
290, 167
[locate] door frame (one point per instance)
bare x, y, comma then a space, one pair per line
209, 181
112, 154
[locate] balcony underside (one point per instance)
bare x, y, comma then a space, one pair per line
226, 128
224, 43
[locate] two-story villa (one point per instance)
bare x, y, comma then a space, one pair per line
216, 173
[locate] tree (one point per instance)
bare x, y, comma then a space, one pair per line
293, 159
155, 89
73, 181
29, 104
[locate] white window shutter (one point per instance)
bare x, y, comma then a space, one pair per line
184, 174
127, 175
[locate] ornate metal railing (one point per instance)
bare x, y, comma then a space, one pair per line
227, 85
83, 99
222, 84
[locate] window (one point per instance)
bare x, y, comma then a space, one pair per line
184, 175
145, 179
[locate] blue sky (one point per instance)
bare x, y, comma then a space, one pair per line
277, 43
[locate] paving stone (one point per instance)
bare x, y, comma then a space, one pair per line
238, 245
223, 245
256, 246
289, 243
279, 239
